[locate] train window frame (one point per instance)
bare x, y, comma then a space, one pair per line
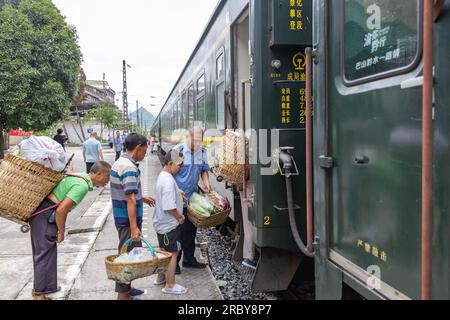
175, 116
220, 56
184, 108
220, 80
387, 74
201, 92
190, 95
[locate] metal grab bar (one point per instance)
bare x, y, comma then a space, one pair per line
244, 175
427, 153
309, 182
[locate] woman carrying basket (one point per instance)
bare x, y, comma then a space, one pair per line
49, 223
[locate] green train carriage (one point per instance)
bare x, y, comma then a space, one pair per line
368, 83
256, 46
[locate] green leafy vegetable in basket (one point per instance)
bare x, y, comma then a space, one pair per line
202, 202
200, 210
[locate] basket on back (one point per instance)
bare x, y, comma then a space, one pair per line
23, 186
232, 159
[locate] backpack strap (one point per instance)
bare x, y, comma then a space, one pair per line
81, 177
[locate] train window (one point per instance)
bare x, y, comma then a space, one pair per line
220, 66
183, 115
201, 85
177, 107
191, 114
381, 38
175, 117
220, 98
201, 110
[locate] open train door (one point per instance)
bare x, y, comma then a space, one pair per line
368, 131
241, 58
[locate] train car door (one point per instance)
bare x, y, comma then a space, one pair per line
241, 116
369, 106
242, 71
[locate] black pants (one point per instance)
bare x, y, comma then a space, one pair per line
43, 244
124, 236
118, 154
89, 166
188, 233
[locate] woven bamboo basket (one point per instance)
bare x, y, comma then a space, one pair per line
125, 273
202, 222
23, 187
232, 164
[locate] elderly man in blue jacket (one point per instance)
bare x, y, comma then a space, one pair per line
195, 168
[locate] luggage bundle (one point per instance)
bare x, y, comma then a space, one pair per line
28, 175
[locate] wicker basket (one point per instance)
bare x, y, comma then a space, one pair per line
125, 273
202, 222
23, 187
232, 164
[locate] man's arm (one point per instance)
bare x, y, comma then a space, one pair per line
84, 154
177, 215
100, 153
205, 179
131, 207
61, 217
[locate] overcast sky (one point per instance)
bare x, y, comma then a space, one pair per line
155, 37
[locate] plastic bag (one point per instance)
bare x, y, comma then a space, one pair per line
44, 151
135, 255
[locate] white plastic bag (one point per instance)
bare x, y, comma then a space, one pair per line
138, 255
44, 151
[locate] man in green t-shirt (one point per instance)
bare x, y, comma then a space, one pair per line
48, 227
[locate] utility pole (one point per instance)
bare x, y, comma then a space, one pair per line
137, 113
105, 91
125, 93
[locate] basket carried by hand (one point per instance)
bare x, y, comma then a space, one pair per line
126, 272
232, 160
202, 222
23, 187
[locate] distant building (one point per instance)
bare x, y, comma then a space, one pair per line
96, 91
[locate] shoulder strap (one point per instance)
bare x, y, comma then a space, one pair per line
81, 177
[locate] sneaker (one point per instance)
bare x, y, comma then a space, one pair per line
178, 270
194, 265
249, 264
136, 292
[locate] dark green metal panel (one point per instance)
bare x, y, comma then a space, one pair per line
375, 206
441, 241
291, 22
328, 281
372, 212
277, 99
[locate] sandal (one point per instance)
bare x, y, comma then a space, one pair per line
35, 296
176, 290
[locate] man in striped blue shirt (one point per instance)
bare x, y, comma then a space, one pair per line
128, 201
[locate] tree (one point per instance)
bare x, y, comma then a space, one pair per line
39, 65
13, 3
106, 114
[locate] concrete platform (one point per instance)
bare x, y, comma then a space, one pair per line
92, 282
